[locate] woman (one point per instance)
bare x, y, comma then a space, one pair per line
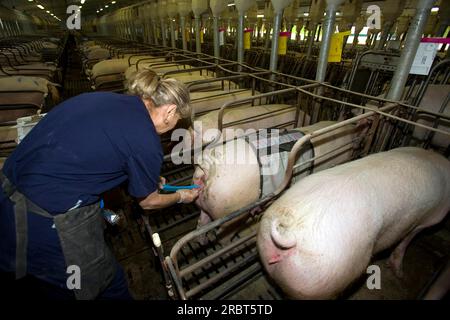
50, 219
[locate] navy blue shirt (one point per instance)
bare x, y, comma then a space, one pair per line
85, 146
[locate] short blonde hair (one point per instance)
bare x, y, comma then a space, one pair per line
148, 85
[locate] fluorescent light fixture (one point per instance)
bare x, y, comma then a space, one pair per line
305, 14
101, 9
231, 4
30, 0
435, 9
83, 1
80, 7
106, 6
260, 16
113, 2
47, 11
338, 13
40, 7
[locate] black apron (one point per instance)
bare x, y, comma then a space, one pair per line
81, 235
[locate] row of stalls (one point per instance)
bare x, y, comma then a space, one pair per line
193, 262
236, 90
30, 73
245, 29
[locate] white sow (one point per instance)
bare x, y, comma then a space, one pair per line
321, 234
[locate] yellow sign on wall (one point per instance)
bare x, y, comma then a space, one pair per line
336, 46
282, 42
247, 38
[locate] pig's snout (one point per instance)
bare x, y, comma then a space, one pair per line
283, 240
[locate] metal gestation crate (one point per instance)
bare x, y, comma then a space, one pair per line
230, 268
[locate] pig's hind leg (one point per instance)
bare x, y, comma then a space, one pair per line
203, 220
396, 258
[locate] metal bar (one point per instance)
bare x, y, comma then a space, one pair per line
163, 33
409, 51
240, 39
183, 32
172, 33
216, 37
328, 30
311, 36
198, 45
175, 278
221, 275
275, 38
231, 246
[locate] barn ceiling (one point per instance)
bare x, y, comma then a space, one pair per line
90, 7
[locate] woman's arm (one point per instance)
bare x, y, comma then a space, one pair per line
159, 201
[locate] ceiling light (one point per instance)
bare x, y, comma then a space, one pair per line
83, 1
113, 2
47, 11
260, 16
231, 4
435, 9
40, 7
306, 14
30, 0
101, 9
106, 6
80, 7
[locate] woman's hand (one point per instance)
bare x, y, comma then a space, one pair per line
156, 200
188, 196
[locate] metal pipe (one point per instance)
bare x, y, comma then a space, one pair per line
267, 38
172, 33
216, 37
163, 33
220, 253
409, 51
385, 34
275, 37
223, 274
198, 45
240, 46
183, 32
155, 33
328, 29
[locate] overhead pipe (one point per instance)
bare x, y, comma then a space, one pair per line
351, 10
183, 7
328, 30
162, 11
409, 51
268, 15
242, 6
391, 11
278, 7
198, 7
154, 18
172, 13
444, 20
315, 15
217, 7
